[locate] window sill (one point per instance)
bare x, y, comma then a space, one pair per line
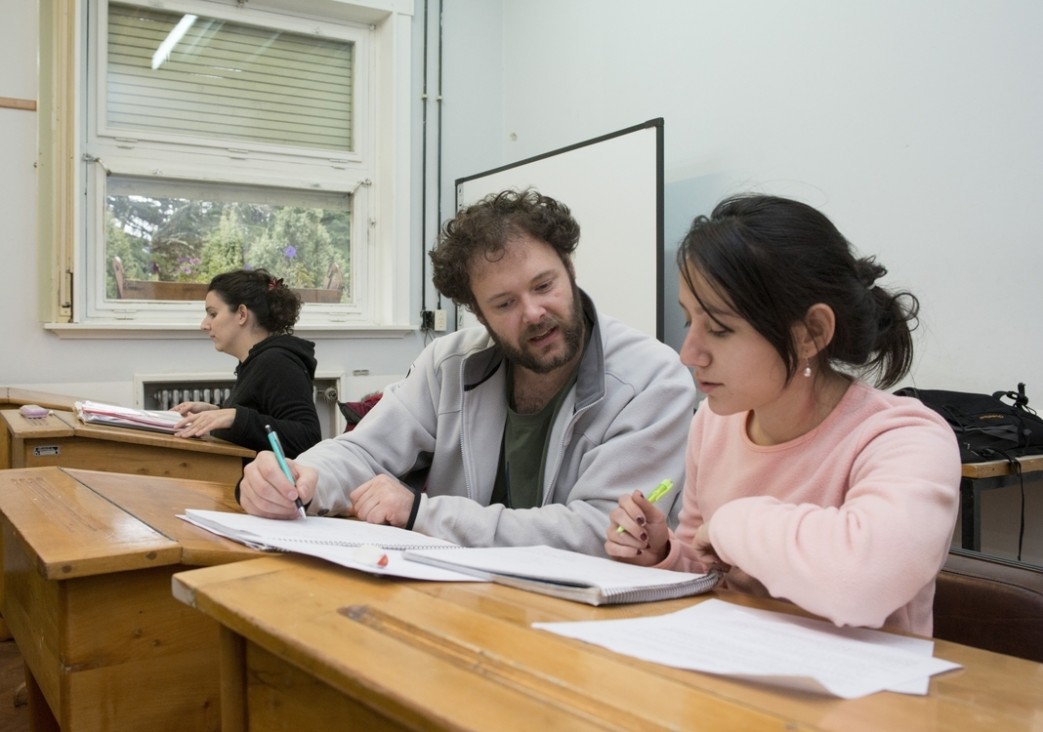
186, 331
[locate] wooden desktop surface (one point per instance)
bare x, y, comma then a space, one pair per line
45, 399
308, 645
993, 468
62, 439
87, 564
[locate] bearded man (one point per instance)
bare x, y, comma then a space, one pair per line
527, 428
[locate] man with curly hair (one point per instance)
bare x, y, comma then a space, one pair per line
525, 429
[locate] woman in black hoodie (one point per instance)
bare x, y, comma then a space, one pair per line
250, 315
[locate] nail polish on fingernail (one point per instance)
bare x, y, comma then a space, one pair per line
644, 537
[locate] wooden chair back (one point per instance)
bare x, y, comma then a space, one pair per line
991, 603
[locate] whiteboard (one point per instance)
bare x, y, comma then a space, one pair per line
613, 185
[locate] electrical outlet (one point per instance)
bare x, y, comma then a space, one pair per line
441, 320
427, 320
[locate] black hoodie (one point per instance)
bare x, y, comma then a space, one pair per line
273, 386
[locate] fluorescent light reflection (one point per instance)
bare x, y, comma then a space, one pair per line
167, 46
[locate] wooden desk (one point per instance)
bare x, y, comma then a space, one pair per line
87, 562
61, 439
977, 477
311, 646
12, 397
45, 399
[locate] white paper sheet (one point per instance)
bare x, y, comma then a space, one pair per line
720, 638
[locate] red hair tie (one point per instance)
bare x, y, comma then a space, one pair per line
273, 283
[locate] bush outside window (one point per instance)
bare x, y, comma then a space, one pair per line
158, 237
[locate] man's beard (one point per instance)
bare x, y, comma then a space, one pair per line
572, 331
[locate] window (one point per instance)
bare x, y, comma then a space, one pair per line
217, 134
165, 240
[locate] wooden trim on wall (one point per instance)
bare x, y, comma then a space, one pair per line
12, 103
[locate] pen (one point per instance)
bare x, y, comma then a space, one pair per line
273, 438
658, 492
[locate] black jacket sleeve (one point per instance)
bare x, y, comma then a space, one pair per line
276, 391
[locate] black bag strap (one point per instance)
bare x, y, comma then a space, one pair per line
1019, 398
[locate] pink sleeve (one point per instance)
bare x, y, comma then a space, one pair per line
857, 562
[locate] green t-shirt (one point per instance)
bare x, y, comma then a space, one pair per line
523, 452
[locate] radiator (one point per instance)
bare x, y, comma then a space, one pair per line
163, 391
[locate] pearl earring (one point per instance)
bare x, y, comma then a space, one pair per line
807, 370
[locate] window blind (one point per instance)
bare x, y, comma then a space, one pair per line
212, 79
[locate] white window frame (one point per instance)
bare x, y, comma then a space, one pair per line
376, 174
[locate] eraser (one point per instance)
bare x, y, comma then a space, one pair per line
33, 411
369, 554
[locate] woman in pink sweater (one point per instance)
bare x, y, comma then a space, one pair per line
803, 482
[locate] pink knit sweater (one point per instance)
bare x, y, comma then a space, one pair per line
851, 521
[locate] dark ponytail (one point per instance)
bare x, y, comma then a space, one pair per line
882, 329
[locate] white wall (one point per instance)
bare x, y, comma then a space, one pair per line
914, 125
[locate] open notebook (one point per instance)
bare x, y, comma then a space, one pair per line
279, 535
346, 542
543, 569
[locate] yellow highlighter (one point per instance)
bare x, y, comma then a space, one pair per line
658, 492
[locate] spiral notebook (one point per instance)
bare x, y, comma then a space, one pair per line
566, 574
372, 548
547, 570
287, 535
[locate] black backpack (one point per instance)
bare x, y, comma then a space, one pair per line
986, 427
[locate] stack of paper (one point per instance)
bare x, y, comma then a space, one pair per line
115, 416
566, 574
